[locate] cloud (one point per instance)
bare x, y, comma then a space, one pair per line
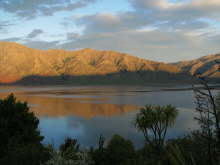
160, 14
32, 8
175, 5
72, 36
5, 24
12, 39
154, 44
150, 44
41, 44
108, 22
182, 10
35, 33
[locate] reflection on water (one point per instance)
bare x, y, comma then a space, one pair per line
86, 112
59, 107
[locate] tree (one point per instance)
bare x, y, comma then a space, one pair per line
178, 156
153, 121
69, 153
70, 149
120, 151
189, 149
208, 108
20, 140
58, 158
99, 155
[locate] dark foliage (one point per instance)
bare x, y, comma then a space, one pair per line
69, 149
118, 151
20, 140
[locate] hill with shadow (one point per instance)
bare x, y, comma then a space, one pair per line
23, 65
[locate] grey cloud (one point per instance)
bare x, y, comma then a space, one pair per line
163, 9
5, 24
147, 13
72, 36
12, 39
32, 8
41, 44
154, 45
34, 33
184, 26
107, 22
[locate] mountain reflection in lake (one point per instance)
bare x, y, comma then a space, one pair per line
86, 112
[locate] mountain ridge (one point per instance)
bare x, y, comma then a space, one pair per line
18, 62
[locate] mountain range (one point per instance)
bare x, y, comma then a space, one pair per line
22, 65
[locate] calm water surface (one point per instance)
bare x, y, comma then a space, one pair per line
86, 112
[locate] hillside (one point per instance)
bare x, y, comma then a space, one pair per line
27, 66
207, 66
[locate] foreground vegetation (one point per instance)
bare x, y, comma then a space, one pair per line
21, 142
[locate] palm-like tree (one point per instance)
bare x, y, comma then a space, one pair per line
153, 121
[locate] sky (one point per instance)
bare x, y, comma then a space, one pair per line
160, 30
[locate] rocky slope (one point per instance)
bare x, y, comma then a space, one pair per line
25, 65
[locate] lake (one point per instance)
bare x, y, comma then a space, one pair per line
85, 112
